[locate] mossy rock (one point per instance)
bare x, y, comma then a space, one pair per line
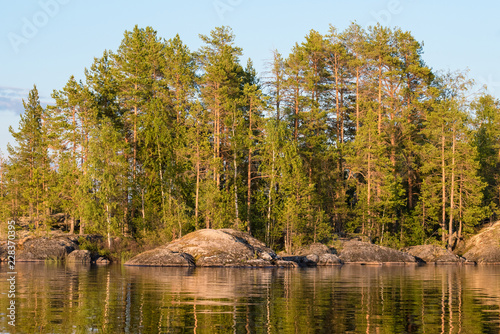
210, 248
485, 246
161, 257
433, 254
365, 253
45, 249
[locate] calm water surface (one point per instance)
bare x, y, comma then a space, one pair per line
57, 298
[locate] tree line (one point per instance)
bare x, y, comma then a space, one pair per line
351, 133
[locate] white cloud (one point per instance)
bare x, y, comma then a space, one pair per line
11, 99
8, 118
11, 108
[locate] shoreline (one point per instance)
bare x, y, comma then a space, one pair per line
232, 248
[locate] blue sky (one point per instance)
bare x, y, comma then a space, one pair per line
44, 42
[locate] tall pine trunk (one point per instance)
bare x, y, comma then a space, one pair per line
460, 203
217, 137
296, 119
108, 224
357, 99
369, 182
236, 210
197, 195
161, 180
337, 99
268, 229
379, 124
452, 192
249, 191
443, 186
249, 176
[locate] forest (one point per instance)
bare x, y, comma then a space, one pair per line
351, 134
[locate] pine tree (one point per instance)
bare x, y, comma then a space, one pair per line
313, 129
99, 99
294, 86
450, 166
354, 40
109, 177
413, 96
287, 189
363, 166
295, 196
220, 91
137, 66
487, 142
6, 211
29, 167
164, 191
69, 125
200, 157
339, 77
254, 104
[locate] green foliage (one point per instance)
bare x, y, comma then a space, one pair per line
86, 244
28, 175
350, 133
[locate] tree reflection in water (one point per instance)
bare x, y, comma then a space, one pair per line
60, 298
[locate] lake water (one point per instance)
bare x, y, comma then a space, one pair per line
58, 298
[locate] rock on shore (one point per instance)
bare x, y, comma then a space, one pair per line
485, 246
315, 254
60, 247
366, 253
210, 248
161, 257
434, 254
41, 249
230, 248
3, 251
79, 256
